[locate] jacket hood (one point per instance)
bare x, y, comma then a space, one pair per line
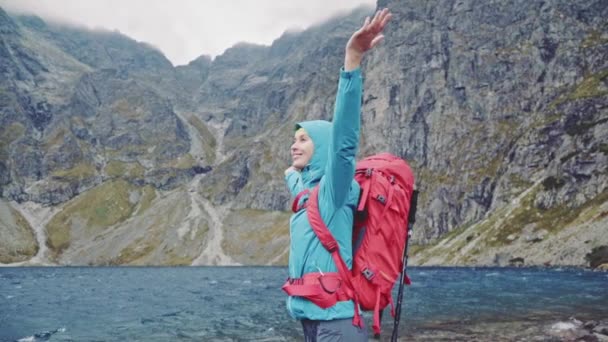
319, 131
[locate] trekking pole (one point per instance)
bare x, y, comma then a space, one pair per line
410, 225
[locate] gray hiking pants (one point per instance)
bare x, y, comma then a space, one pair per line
338, 330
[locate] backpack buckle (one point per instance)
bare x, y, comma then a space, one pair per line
368, 172
392, 179
331, 247
381, 199
368, 274
295, 281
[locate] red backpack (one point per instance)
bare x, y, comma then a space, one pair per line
380, 235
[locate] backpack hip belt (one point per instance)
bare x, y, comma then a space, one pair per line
323, 289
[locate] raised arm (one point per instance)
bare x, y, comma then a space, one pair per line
344, 141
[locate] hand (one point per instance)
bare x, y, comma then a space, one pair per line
364, 39
290, 169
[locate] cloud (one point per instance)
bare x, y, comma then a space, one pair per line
186, 29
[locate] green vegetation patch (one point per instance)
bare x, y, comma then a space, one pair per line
79, 172
470, 231
257, 230
521, 216
430, 180
116, 168
416, 249
522, 48
592, 210
219, 181
128, 151
207, 138
589, 87
158, 242
429, 176
128, 109
594, 38
546, 120
136, 250
497, 228
182, 162
489, 169
55, 138
179, 256
456, 232
264, 169
9, 134
517, 181
98, 208
26, 246
147, 197
552, 219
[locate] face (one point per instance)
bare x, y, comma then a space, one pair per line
302, 149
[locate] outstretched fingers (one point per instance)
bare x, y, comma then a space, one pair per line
364, 28
376, 41
381, 19
376, 24
386, 17
377, 17
370, 33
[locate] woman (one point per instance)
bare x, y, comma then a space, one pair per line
323, 154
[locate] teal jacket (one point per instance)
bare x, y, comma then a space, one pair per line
333, 166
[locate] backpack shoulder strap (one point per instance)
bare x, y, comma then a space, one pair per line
331, 245
365, 187
295, 206
318, 225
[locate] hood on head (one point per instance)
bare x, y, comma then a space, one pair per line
319, 131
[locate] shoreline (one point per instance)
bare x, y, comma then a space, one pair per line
27, 264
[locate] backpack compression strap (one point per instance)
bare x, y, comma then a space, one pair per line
331, 245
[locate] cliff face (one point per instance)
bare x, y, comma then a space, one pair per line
499, 101
499, 107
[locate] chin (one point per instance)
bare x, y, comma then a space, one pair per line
298, 165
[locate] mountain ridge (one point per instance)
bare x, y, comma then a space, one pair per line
500, 109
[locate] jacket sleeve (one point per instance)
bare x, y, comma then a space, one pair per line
344, 140
293, 180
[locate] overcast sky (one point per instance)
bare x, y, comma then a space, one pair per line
186, 29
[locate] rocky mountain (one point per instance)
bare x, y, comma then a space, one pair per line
111, 155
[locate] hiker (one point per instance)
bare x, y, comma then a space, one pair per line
324, 153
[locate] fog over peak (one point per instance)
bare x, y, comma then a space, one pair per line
186, 29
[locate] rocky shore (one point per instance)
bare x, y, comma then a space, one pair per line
536, 327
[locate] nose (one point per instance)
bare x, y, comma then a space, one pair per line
293, 147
